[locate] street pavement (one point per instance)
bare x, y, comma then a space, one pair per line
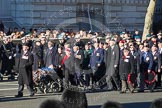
95, 99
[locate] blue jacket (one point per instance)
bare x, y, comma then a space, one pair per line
144, 64
97, 57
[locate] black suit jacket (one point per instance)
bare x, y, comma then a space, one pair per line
78, 62
69, 67
50, 57
126, 66
136, 57
156, 61
113, 59
58, 59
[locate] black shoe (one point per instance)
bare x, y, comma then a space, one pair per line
122, 92
151, 91
19, 95
140, 91
158, 85
132, 91
31, 95
110, 89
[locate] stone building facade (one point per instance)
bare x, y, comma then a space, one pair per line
95, 15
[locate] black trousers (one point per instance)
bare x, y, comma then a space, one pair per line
142, 78
159, 78
6, 66
87, 76
21, 88
69, 78
94, 70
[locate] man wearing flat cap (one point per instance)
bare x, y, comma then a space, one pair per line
25, 71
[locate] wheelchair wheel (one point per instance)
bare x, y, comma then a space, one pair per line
47, 88
55, 87
35, 90
41, 87
44, 87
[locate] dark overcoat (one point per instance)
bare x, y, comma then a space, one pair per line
58, 63
113, 59
156, 62
69, 69
86, 60
136, 57
78, 62
126, 66
50, 57
6, 54
25, 69
38, 57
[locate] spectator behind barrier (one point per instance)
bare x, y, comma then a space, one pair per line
156, 103
74, 99
52, 104
111, 104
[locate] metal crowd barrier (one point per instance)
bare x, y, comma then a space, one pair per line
57, 40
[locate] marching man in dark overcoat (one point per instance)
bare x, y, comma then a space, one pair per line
25, 71
112, 64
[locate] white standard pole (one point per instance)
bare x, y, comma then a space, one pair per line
89, 16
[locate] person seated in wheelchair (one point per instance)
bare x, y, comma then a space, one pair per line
49, 80
49, 74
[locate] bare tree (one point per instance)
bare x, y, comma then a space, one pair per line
149, 18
